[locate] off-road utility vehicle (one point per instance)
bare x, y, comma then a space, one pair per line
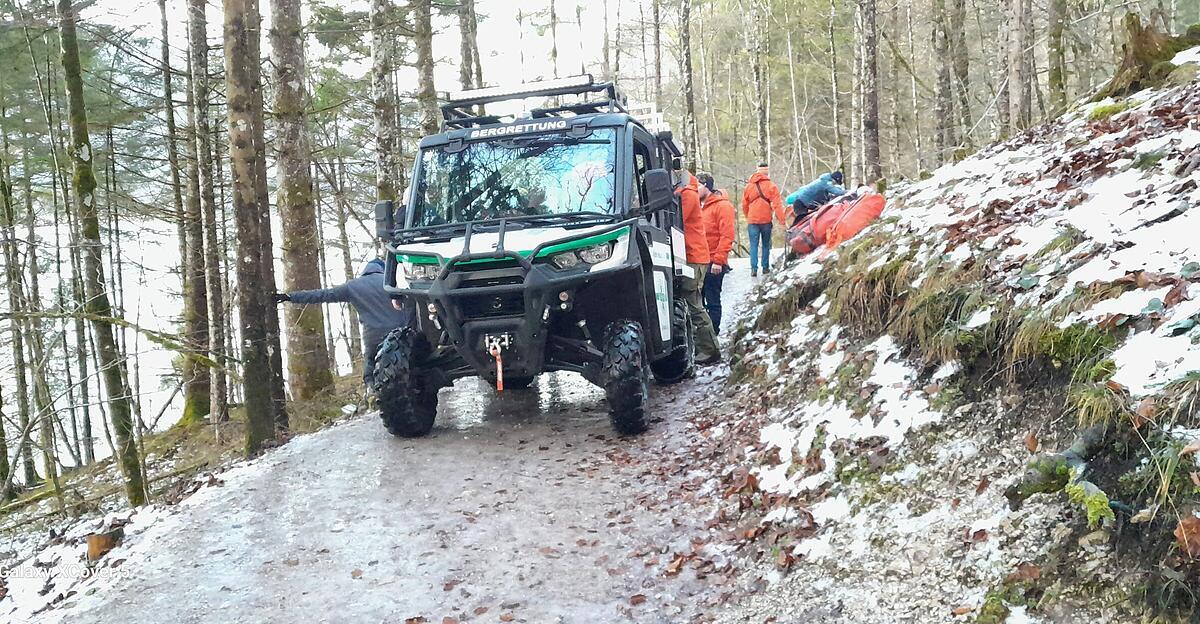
550, 241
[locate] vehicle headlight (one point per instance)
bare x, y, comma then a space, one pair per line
565, 260
596, 253
587, 255
421, 272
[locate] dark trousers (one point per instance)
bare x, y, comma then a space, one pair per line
801, 211
712, 297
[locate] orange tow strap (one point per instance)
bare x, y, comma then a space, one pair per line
495, 351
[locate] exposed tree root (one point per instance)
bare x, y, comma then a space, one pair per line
1066, 471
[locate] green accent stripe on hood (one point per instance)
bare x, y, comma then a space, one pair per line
578, 243
587, 241
416, 259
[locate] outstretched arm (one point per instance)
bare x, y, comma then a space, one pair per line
337, 294
777, 205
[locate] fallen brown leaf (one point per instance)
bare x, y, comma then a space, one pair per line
637, 599
963, 610
1031, 442
1195, 479
449, 620
356, 574
1192, 447
983, 485
1025, 572
420, 619
507, 617
1187, 533
1177, 293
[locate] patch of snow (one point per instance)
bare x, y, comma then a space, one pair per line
1190, 55
979, 319
1020, 615
831, 510
1130, 303
949, 369
780, 515
906, 475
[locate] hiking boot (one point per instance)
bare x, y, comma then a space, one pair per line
709, 361
753, 273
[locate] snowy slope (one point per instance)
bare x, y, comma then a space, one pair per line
879, 491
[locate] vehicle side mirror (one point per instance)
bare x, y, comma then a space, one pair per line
677, 163
385, 219
660, 192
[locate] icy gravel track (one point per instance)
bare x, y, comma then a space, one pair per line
517, 506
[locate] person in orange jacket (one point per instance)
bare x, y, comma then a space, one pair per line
761, 204
719, 228
698, 258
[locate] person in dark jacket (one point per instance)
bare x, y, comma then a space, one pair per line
815, 194
373, 304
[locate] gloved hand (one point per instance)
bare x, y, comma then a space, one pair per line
280, 298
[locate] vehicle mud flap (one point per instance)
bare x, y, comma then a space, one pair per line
680, 363
406, 406
626, 377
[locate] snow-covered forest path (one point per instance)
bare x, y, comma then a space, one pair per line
519, 505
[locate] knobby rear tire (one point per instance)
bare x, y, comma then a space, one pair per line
680, 364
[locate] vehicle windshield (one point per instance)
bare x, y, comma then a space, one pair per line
553, 174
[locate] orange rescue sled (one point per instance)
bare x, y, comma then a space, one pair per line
833, 224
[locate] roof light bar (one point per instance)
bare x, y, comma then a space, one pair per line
527, 88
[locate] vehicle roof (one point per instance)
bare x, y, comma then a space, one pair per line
539, 125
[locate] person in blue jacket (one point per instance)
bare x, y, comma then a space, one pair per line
374, 305
815, 194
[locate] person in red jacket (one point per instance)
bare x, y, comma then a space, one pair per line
719, 228
698, 258
761, 204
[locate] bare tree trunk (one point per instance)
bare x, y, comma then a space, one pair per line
1018, 78
874, 168
466, 68
837, 89
474, 22
343, 214
554, 36
203, 129
309, 367
385, 105
242, 70
918, 135
12, 274
98, 303
426, 93
172, 143
81, 341
961, 60
196, 380
689, 95
646, 91
758, 63
266, 248
796, 123
656, 20
944, 138
1056, 53
43, 405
